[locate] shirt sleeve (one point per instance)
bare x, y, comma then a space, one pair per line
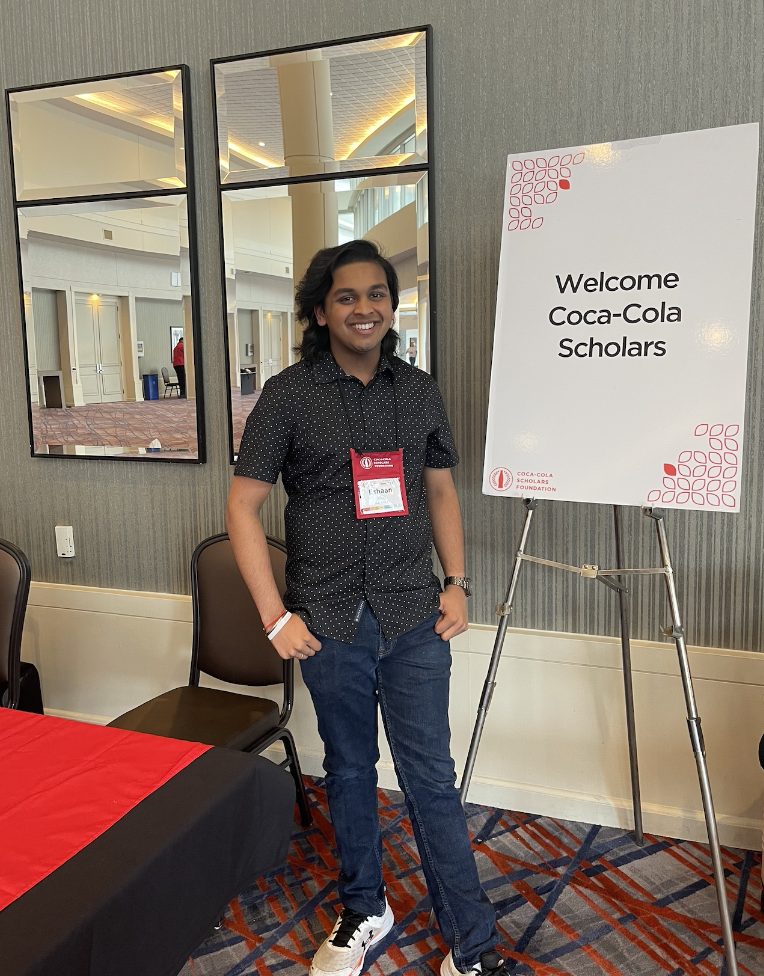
441, 450
266, 438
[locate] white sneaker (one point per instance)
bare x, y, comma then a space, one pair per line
343, 953
491, 963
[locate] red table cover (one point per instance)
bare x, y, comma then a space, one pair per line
63, 783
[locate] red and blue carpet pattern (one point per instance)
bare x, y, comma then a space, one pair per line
570, 898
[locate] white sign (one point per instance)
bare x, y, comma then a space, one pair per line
621, 342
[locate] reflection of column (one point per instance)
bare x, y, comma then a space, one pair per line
31, 347
128, 339
423, 280
314, 222
67, 344
188, 348
306, 124
229, 244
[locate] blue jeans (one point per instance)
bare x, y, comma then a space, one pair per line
408, 678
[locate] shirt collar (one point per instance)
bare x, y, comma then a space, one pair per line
326, 370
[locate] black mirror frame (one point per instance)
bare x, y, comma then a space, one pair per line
189, 192
426, 167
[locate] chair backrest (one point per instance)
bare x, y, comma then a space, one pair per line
165, 375
15, 576
229, 640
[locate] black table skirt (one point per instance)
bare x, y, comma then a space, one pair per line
141, 897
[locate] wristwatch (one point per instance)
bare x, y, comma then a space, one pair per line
463, 581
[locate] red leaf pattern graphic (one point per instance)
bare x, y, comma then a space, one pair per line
535, 183
711, 469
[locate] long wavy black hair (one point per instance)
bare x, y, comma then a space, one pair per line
316, 284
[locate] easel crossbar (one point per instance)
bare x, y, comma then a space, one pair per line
589, 571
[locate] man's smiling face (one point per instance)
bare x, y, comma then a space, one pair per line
357, 311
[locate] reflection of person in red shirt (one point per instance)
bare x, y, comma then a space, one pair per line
178, 364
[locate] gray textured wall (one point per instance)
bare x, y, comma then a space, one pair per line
45, 312
509, 76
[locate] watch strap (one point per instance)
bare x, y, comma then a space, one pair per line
462, 581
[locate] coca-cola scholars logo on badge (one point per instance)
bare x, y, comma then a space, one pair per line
366, 462
500, 479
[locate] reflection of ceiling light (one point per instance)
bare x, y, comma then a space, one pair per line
95, 298
260, 160
261, 143
604, 154
170, 180
108, 103
160, 124
171, 74
378, 125
100, 100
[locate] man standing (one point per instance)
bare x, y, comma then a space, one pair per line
364, 448
179, 365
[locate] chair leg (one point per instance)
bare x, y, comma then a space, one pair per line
306, 818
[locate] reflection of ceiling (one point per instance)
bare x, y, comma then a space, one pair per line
60, 154
368, 86
152, 104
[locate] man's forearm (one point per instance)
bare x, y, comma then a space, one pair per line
448, 537
250, 548
446, 518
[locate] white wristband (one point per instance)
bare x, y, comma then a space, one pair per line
279, 625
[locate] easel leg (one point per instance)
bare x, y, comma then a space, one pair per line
490, 680
698, 747
623, 602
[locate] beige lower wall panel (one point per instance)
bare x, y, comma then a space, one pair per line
554, 741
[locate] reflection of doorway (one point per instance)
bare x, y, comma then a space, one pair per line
272, 326
98, 353
248, 322
176, 334
409, 346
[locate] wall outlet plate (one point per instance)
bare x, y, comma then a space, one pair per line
65, 541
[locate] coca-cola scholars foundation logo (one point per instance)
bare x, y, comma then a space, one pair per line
500, 479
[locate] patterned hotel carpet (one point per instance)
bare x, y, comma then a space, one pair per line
570, 898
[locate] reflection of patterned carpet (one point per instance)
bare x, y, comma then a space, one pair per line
240, 410
569, 898
172, 421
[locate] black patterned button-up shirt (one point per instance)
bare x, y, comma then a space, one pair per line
335, 561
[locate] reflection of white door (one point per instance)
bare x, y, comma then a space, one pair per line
99, 361
270, 343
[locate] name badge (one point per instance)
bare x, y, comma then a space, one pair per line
378, 484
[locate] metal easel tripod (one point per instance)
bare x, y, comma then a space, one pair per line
676, 631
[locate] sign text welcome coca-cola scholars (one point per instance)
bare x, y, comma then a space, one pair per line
634, 313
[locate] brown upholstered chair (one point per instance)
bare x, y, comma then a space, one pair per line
229, 643
19, 682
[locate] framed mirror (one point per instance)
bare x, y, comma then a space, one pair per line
105, 225
318, 146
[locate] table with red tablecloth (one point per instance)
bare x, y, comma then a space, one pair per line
119, 851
